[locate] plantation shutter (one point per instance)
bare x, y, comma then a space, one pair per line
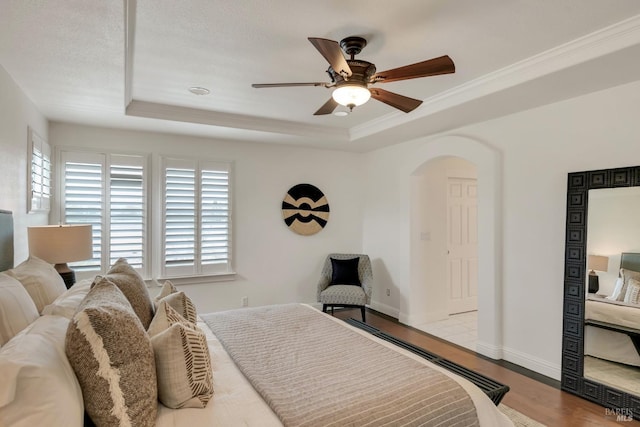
83, 200
127, 210
196, 225
108, 192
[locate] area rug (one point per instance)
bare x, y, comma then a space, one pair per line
518, 419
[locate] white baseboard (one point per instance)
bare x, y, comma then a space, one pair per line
421, 318
533, 363
385, 309
489, 350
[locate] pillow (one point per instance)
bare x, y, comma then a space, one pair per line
67, 303
40, 279
133, 287
617, 289
39, 387
183, 364
633, 292
181, 303
626, 276
345, 272
112, 357
167, 289
17, 309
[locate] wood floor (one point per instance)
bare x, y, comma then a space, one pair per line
544, 403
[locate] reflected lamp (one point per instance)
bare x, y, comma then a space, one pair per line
596, 263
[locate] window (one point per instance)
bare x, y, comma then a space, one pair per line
109, 192
39, 180
190, 236
196, 226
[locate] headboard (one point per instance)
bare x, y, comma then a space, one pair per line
6, 240
630, 261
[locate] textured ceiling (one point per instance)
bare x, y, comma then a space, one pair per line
72, 60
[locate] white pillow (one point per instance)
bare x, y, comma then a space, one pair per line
617, 289
41, 280
39, 387
17, 309
67, 303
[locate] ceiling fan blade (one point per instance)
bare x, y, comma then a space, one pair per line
331, 51
430, 67
327, 108
262, 85
400, 102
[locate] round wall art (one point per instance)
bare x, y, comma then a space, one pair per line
305, 209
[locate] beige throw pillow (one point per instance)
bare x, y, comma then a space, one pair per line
17, 309
632, 295
133, 287
183, 364
113, 359
183, 305
167, 289
626, 276
40, 279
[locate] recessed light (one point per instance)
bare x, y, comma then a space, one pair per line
197, 90
341, 113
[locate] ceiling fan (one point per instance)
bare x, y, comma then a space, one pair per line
352, 78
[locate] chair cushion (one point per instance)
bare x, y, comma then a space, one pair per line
345, 272
343, 294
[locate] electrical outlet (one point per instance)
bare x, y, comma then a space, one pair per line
245, 301
388, 292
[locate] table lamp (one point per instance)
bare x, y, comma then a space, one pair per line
599, 263
60, 244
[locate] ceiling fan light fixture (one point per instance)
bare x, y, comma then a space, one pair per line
351, 95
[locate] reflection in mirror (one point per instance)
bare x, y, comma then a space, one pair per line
612, 312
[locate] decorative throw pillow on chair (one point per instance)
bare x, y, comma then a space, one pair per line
345, 272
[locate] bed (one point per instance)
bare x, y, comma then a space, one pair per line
612, 326
277, 365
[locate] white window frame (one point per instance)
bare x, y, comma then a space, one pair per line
39, 173
198, 269
106, 160
154, 184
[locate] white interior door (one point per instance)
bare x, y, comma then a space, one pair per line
462, 236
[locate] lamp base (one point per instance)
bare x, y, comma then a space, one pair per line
67, 274
594, 286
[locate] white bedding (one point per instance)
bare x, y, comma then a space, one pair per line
606, 344
615, 312
235, 402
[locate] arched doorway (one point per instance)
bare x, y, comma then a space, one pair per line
488, 167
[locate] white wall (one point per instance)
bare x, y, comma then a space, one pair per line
538, 148
17, 113
273, 264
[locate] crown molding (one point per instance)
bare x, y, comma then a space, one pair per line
604, 41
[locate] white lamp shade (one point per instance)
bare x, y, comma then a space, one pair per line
351, 94
598, 262
59, 244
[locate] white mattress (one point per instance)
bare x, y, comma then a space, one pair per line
236, 403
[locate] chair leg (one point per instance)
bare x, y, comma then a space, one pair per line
362, 311
324, 308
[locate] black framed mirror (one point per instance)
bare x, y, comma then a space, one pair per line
573, 378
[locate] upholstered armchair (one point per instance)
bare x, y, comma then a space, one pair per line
349, 284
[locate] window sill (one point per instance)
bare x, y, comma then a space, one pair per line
194, 280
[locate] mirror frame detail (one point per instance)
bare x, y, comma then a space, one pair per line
573, 380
